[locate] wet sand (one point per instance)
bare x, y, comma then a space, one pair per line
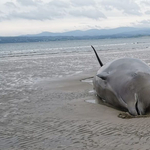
76, 124
52, 113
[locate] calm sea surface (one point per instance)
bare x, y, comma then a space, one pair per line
74, 46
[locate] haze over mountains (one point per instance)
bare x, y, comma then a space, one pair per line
122, 32
100, 32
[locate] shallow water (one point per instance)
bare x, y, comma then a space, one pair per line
71, 46
91, 101
88, 80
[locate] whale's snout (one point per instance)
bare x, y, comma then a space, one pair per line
137, 108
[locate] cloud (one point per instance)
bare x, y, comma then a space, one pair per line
31, 10
32, 15
40, 13
147, 12
144, 22
89, 12
27, 2
74, 9
59, 4
1, 14
126, 6
146, 2
83, 3
10, 5
25, 16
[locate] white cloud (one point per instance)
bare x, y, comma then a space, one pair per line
143, 23
80, 3
10, 5
147, 12
62, 15
89, 12
146, 2
59, 4
126, 6
52, 10
34, 11
27, 2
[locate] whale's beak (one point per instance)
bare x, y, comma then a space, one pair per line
136, 108
138, 105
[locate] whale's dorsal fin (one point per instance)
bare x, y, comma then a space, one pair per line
100, 62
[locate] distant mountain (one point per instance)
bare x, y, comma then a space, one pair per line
123, 32
98, 32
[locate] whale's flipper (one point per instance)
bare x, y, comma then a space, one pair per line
101, 64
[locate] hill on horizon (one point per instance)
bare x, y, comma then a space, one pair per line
128, 31
122, 32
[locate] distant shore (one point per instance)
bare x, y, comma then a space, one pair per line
28, 39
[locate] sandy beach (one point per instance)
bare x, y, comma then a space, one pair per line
48, 108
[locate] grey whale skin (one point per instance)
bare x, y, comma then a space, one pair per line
124, 83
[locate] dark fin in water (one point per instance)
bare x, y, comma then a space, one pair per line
101, 64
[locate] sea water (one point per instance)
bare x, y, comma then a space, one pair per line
71, 46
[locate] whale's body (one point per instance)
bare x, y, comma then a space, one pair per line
125, 83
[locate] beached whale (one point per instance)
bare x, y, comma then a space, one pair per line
124, 83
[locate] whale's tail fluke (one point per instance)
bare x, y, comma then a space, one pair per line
100, 62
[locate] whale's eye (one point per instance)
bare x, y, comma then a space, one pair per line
103, 75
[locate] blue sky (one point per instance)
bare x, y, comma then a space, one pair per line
18, 17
